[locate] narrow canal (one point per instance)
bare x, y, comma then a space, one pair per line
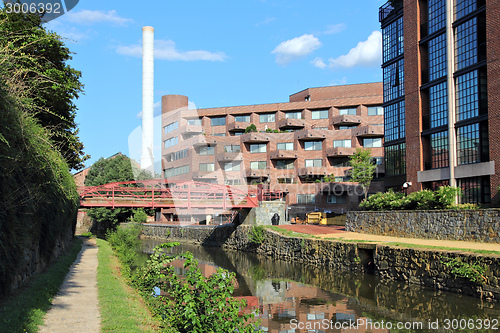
294, 297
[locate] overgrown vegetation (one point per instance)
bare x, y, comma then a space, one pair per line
188, 303
38, 197
24, 311
257, 234
443, 198
474, 272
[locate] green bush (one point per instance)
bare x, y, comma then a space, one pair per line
140, 216
257, 234
443, 198
125, 241
251, 128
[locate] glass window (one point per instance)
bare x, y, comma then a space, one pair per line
475, 190
172, 126
284, 146
375, 111
464, 7
284, 164
319, 114
218, 121
372, 142
245, 118
468, 145
349, 111
177, 155
439, 150
207, 166
394, 80
341, 162
321, 128
393, 40
232, 149
394, 121
314, 163
258, 165
258, 148
293, 115
395, 159
437, 15
335, 199
305, 199
267, 118
172, 172
171, 142
342, 143
466, 44
467, 95
313, 145
438, 104
232, 166
347, 127
238, 133
437, 57
196, 122
285, 180
207, 150
219, 134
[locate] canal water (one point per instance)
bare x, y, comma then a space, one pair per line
295, 297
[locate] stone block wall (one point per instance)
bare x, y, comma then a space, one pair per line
481, 225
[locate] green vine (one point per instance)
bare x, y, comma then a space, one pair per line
474, 272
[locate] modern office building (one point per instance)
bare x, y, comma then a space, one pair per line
295, 144
441, 95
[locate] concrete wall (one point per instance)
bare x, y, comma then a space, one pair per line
481, 225
413, 266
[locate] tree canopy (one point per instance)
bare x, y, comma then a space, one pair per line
362, 168
40, 58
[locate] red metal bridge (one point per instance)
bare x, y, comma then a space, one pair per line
157, 193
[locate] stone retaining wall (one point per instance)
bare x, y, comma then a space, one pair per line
413, 266
481, 225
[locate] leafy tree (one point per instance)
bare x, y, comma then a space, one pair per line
251, 128
41, 60
117, 168
362, 168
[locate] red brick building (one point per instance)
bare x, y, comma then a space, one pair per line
441, 88
295, 145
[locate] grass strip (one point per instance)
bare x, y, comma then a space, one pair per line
24, 312
289, 233
122, 309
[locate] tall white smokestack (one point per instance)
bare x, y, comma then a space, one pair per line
147, 158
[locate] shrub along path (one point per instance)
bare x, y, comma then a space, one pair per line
76, 308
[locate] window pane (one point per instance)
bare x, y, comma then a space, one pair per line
342, 143
207, 166
375, 110
232, 149
319, 114
466, 44
313, 145
258, 148
207, 150
196, 122
350, 111
314, 163
218, 121
284, 146
293, 115
267, 117
245, 118
372, 142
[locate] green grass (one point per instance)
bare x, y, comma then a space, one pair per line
121, 307
290, 233
24, 312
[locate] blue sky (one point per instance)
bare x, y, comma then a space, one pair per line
218, 53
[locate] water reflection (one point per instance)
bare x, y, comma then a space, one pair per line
295, 297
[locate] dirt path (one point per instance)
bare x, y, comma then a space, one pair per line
75, 308
340, 234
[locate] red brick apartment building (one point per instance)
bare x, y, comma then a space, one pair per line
297, 143
441, 82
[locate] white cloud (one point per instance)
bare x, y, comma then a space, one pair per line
335, 28
65, 31
318, 62
295, 48
156, 110
166, 50
88, 17
366, 54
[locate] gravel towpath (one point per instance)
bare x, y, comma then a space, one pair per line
76, 308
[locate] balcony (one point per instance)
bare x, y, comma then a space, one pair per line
255, 137
229, 157
311, 134
237, 126
281, 154
257, 173
347, 120
191, 129
204, 175
340, 151
369, 131
313, 171
200, 140
286, 124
